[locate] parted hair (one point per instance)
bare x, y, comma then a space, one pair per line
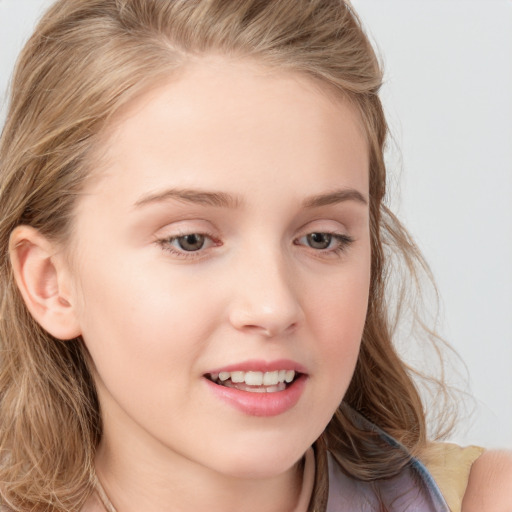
86, 60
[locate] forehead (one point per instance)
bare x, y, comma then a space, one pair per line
218, 117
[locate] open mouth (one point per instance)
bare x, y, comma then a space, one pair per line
255, 382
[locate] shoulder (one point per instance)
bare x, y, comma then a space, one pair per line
450, 465
490, 483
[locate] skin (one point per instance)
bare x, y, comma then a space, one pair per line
156, 319
489, 486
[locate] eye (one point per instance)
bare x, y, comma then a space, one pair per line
319, 240
190, 243
187, 245
325, 242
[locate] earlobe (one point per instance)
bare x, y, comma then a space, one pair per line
39, 275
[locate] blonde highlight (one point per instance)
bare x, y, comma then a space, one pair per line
85, 61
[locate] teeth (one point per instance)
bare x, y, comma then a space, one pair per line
237, 376
290, 374
256, 389
270, 378
255, 378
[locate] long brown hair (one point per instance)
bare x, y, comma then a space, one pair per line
85, 61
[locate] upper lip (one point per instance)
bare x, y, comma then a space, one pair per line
255, 365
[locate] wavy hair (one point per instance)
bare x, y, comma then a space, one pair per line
85, 60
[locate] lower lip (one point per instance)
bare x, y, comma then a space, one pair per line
261, 404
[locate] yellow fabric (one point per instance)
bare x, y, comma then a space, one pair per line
450, 465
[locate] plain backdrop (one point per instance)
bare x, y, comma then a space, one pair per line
448, 97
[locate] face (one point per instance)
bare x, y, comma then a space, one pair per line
221, 267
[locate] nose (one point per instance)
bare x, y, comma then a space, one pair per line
265, 299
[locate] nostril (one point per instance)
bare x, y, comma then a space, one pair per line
270, 310
266, 329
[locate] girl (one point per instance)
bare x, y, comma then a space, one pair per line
193, 271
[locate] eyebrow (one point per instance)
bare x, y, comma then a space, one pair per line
224, 200
335, 197
201, 197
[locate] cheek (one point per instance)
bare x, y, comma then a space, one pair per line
340, 306
337, 317
142, 319
335, 322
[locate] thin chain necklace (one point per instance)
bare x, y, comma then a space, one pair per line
303, 499
103, 496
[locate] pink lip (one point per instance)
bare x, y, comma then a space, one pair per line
261, 404
255, 365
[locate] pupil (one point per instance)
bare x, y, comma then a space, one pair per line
192, 242
319, 240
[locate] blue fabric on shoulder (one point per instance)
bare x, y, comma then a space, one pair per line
412, 490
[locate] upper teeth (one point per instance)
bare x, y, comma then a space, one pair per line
256, 378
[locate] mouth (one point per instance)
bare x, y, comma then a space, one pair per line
255, 381
258, 387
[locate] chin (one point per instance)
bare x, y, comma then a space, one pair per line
260, 469
261, 460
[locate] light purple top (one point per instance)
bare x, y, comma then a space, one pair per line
412, 490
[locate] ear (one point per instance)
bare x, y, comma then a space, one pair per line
41, 277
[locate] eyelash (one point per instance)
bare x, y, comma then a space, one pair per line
343, 242
165, 244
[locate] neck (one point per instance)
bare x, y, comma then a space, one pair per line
134, 481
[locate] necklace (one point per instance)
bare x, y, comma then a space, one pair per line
103, 496
307, 486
